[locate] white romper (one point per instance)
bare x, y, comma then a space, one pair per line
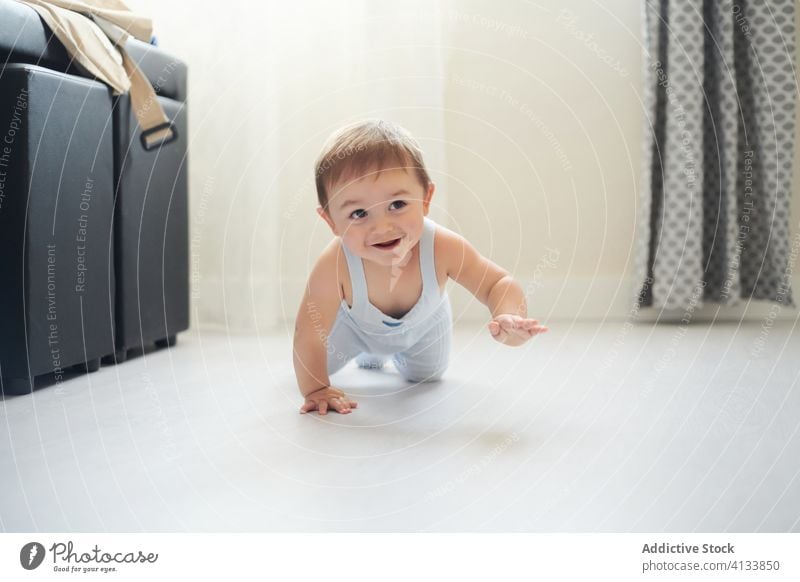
419, 342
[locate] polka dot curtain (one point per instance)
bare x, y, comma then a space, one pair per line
719, 96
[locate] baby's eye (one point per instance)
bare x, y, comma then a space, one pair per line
360, 213
399, 204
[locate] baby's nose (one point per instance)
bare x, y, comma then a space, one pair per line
384, 225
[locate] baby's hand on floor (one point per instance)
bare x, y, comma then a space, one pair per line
327, 397
514, 330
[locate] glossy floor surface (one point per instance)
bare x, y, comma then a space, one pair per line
592, 427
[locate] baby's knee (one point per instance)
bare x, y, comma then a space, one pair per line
419, 372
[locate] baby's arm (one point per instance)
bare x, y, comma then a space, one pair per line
491, 285
315, 318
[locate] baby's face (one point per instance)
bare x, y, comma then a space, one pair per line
379, 216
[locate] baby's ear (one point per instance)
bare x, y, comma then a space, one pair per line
321, 211
426, 202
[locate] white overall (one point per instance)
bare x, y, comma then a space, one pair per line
419, 342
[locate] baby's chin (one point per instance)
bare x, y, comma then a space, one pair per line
397, 257
389, 260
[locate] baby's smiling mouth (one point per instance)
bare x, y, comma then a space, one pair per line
387, 245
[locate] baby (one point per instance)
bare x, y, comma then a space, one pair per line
378, 289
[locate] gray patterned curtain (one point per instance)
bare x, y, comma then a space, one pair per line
719, 93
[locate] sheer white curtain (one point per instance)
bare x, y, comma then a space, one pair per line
267, 84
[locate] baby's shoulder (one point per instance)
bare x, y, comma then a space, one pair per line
330, 269
447, 247
330, 257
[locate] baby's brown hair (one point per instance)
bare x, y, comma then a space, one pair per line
366, 146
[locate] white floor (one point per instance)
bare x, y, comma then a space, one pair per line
590, 428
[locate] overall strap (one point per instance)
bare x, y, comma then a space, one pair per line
358, 281
430, 284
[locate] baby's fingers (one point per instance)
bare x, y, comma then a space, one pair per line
308, 406
536, 330
508, 323
340, 405
533, 325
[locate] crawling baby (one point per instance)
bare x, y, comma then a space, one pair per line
377, 290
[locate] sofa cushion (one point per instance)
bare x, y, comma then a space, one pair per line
24, 38
57, 203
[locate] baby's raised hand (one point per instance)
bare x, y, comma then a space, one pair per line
327, 397
514, 330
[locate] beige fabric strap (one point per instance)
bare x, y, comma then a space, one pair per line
89, 46
145, 104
